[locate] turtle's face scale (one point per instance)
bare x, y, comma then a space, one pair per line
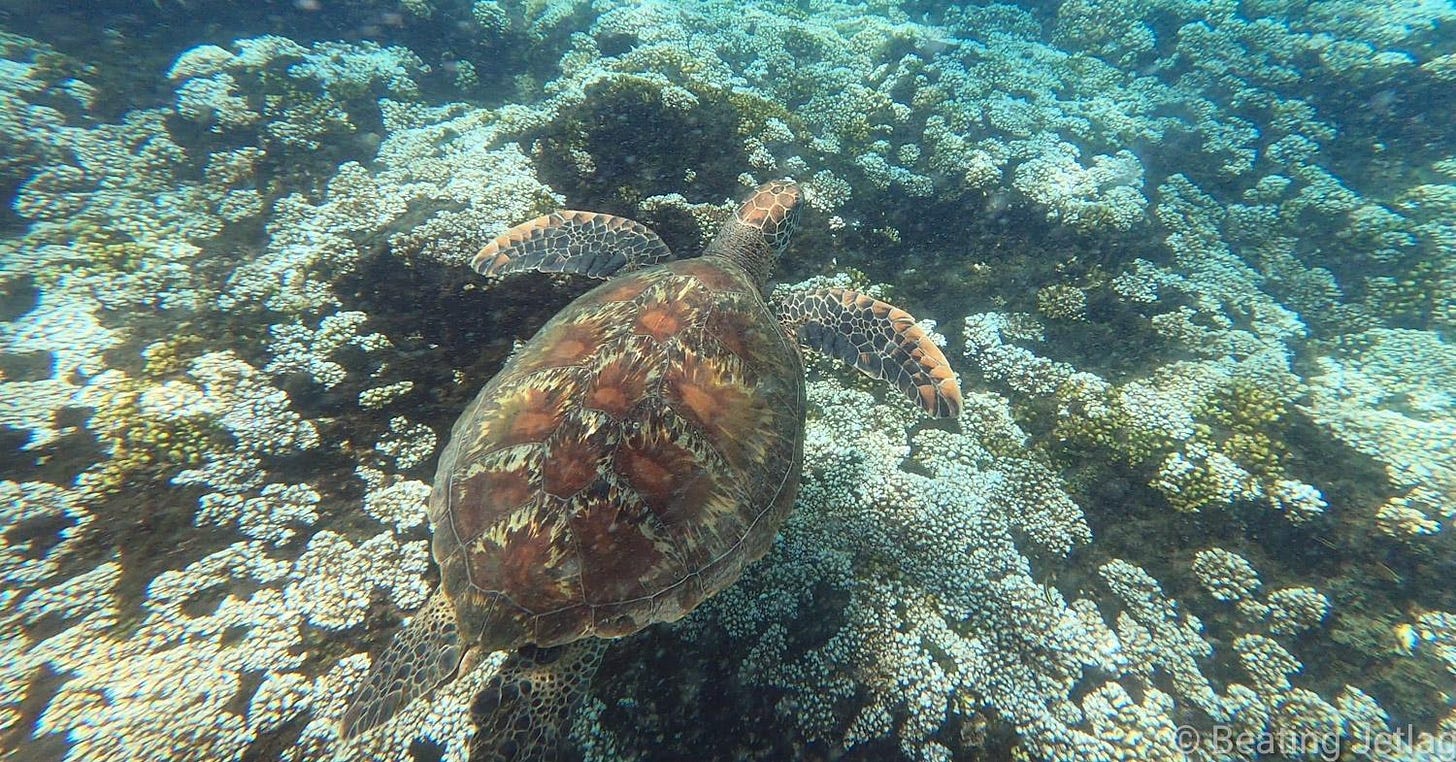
774, 210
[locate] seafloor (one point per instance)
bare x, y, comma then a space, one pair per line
1194, 260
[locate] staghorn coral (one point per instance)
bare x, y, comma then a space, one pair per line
392, 501
40, 93
1061, 301
1293, 610
447, 160
407, 444
379, 396
1103, 195
1212, 428
274, 84
1268, 664
44, 526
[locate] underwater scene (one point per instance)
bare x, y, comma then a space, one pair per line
910, 380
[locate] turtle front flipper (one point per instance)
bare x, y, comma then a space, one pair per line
525, 711
423, 655
879, 339
586, 243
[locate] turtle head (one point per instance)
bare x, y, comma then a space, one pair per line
760, 229
773, 209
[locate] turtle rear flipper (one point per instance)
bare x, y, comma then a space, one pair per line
879, 339
425, 654
586, 243
525, 711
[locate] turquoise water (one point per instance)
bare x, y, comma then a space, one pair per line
1193, 262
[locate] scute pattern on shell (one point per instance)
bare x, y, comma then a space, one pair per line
626, 463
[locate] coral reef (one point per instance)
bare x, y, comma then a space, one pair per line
1194, 259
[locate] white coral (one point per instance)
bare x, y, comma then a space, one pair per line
408, 444
1293, 610
1105, 194
1268, 664
1226, 576
400, 504
331, 583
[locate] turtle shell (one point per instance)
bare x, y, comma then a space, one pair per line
626, 463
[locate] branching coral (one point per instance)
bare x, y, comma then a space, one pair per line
145, 426
274, 83
1385, 392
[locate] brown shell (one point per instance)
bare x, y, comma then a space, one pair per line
626, 463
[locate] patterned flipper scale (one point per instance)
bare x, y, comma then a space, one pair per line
879, 339
585, 243
423, 655
524, 713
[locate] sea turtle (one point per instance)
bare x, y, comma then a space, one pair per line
630, 459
